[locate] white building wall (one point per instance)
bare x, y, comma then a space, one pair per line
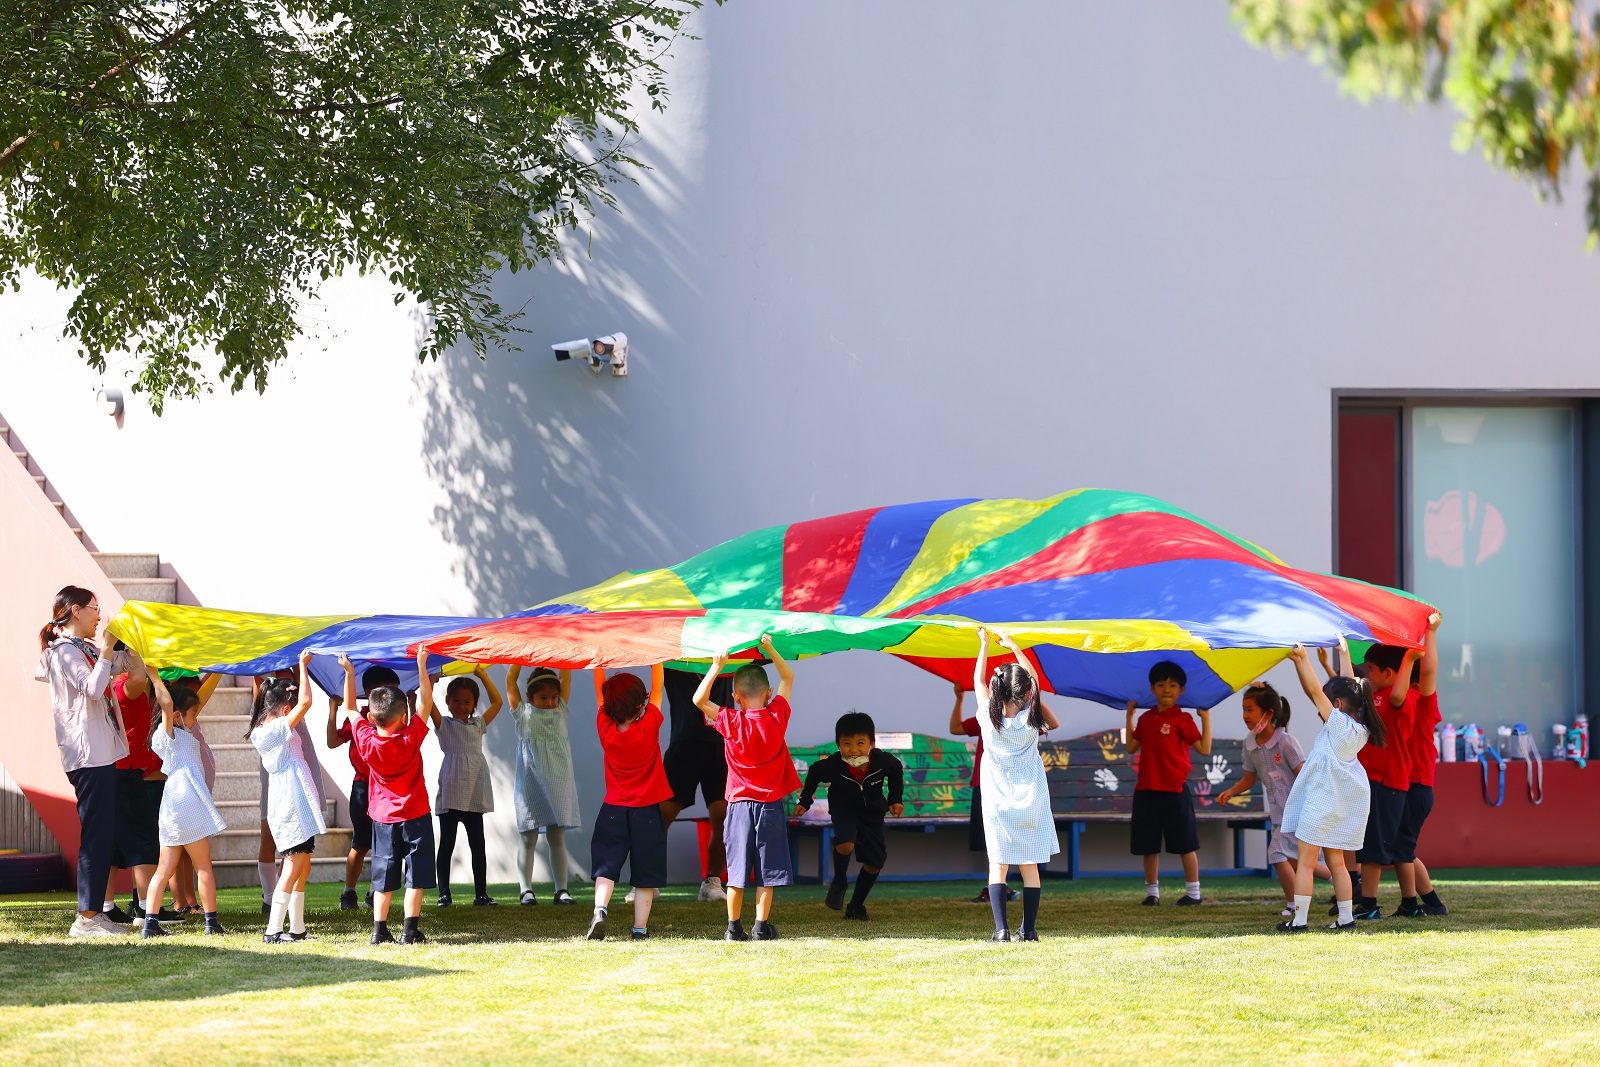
888, 251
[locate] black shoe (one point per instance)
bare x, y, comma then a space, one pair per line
1012, 894
347, 900
266, 909
444, 900
275, 939
835, 897
369, 900
167, 915
484, 901
856, 912
1368, 912
597, 926
641, 935
136, 909
1151, 901
1440, 910
735, 934
1414, 911
214, 927
528, 899
118, 916
1186, 901
1333, 909
303, 935
562, 897
1288, 927
382, 936
153, 929
982, 897
1000, 935
413, 937
1337, 927
764, 931
1025, 935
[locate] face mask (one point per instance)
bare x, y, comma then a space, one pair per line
1258, 727
857, 761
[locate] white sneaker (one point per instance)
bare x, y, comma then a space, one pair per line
82, 927
711, 891
629, 898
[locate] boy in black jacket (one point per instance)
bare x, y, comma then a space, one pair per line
864, 783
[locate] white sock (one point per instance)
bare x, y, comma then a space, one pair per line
297, 913
268, 873
1344, 911
280, 905
525, 854
1152, 889
1301, 906
1191, 890
557, 838
107, 906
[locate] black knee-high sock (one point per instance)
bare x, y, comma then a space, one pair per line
480, 858
841, 868
997, 904
1030, 907
448, 821
864, 883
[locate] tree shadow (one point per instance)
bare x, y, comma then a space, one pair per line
84, 972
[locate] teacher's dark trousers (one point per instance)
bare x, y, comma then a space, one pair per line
97, 816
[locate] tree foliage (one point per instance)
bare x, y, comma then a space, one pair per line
1523, 74
195, 169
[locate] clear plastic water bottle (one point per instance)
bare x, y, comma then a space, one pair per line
1559, 751
1503, 744
1472, 746
1447, 743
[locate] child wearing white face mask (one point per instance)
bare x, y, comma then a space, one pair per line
864, 783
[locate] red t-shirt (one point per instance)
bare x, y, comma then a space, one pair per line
1424, 747
1391, 764
971, 729
634, 775
858, 773
356, 761
1164, 740
136, 718
759, 765
396, 791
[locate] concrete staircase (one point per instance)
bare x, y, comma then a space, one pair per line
9, 440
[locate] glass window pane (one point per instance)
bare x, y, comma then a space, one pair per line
1494, 545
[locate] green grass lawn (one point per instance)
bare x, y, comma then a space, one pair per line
1508, 977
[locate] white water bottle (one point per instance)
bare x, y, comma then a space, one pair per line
1560, 749
1447, 744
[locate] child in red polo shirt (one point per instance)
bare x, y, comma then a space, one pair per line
760, 774
389, 740
360, 820
1163, 807
629, 826
1389, 669
1423, 754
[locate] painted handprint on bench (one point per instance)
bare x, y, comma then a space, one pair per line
1106, 779
1218, 769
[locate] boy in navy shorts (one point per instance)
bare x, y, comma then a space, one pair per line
864, 784
389, 739
760, 774
1163, 807
360, 822
1389, 669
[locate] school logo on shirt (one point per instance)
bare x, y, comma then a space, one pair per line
1277, 757
1166, 728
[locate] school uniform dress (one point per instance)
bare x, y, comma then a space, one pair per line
464, 783
294, 811
187, 811
208, 761
1328, 805
1273, 763
546, 788
308, 748
1017, 824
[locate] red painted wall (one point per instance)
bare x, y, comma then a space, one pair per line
1465, 832
1369, 494
38, 555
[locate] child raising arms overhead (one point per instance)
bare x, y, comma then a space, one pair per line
1273, 758
546, 788
294, 814
629, 826
465, 791
1327, 807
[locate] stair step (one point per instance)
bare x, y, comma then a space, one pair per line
227, 700
38, 479
22, 457
129, 564
232, 874
156, 590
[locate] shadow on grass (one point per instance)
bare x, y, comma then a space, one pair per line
94, 972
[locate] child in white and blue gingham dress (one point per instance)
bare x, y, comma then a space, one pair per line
1017, 822
1328, 805
188, 813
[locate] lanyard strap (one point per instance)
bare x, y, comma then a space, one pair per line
1483, 761
1530, 753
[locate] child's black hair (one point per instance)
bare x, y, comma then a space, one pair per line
1385, 657
1011, 684
1354, 697
543, 678
1271, 702
458, 683
373, 677
276, 694
623, 698
386, 705
751, 680
855, 724
183, 698
1168, 671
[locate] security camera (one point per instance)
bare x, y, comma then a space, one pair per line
110, 401
614, 346
582, 348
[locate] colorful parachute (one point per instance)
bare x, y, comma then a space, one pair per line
1096, 585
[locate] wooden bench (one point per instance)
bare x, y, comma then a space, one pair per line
1091, 781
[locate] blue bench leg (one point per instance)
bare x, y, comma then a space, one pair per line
824, 853
1073, 830
1238, 848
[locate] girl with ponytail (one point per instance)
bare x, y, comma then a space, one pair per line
1273, 758
1327, 807
1015, 797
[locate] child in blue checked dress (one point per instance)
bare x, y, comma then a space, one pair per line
546, 787
1017, 822
1327, 808
465, 791
294, 814
1273, 758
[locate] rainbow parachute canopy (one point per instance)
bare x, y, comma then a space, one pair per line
1096, 585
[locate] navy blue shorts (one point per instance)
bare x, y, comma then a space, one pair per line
624, 834
360, 821
135, 842
1384, 816
1419, 804
406, 846
864, 829
757, 836
1161, 815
